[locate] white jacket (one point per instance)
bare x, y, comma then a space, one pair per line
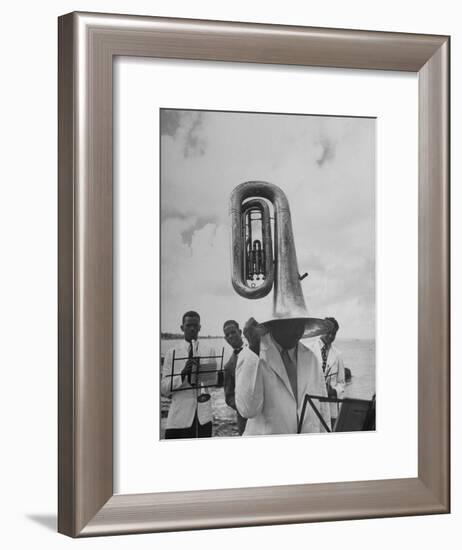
264, 394
334, 373
184, 403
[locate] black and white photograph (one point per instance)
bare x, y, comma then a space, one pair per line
267, 274
230, 247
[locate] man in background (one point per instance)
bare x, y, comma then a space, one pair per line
233, 335
332, 365
188, 417
273, 375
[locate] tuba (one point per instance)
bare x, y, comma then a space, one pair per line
258, 263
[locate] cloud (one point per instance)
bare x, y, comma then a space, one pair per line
194, 142
324, 151
198, 223
191, 222
326, 167
186, 128
172, 212
169, 122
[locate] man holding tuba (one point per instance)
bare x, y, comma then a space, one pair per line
273, 374
276, 371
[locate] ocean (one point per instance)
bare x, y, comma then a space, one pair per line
358, 356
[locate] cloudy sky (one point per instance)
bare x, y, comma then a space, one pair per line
326, 167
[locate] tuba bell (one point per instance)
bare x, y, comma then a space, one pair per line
258, 264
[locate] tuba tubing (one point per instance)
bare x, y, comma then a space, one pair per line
239, 251
282, 273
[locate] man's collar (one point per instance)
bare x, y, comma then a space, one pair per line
187, 344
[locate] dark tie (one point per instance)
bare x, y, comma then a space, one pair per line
291, 369
324, 351
190, 356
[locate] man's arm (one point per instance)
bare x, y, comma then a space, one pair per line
249, 384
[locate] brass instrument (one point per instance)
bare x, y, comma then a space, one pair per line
201, 394
254, 271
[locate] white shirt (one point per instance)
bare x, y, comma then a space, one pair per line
264, 394
184, 402
292, 351
334, 373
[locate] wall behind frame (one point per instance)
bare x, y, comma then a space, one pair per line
28, 355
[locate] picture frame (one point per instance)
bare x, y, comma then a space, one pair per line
87, 505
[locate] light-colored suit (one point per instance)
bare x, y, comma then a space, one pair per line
334, 373
184, 403
264, 394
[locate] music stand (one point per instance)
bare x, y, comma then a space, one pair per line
203, 373
356, 415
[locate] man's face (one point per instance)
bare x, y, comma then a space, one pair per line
287, 332
330, 336
233, 336
191, 327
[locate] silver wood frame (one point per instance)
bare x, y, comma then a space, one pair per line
88, 43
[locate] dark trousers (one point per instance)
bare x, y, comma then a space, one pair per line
241, 423
195, 430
